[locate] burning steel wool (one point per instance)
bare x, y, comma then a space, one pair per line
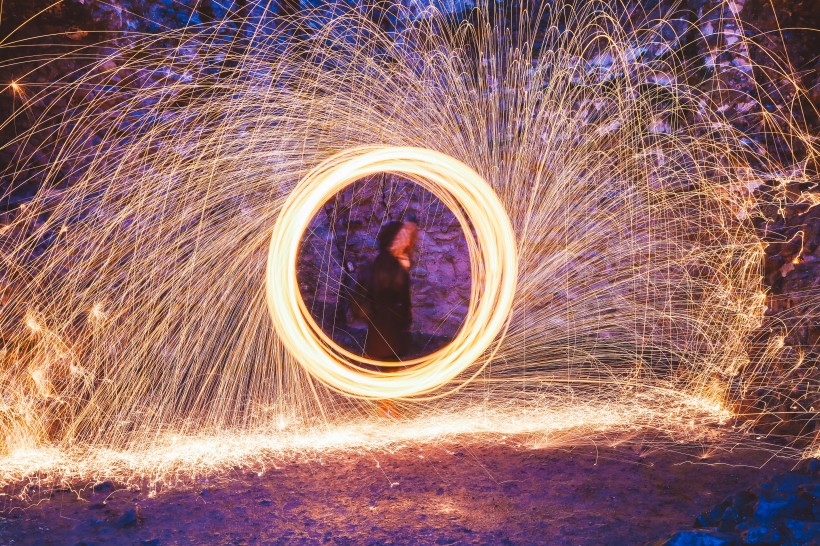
156, 320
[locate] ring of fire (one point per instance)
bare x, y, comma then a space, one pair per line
493, 267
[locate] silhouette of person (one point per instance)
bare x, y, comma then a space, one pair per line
390, 316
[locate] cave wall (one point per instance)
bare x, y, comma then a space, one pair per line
792, 265
342, 238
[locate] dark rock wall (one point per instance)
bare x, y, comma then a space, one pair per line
781, 42
344, 235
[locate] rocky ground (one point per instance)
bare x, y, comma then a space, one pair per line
458, 493
784, 510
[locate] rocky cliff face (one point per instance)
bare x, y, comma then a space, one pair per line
343, 238
779, 53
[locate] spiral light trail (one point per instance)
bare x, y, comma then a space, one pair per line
493, 260
156, 322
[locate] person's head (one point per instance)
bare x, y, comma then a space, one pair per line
399, 238
387, 234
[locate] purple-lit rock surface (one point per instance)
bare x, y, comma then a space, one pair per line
453, 493
784, 510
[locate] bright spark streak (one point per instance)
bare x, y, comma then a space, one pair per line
150, 283
493, 267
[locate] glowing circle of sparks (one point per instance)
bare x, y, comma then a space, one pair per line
493, 266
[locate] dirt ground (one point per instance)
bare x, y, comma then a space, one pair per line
437, 494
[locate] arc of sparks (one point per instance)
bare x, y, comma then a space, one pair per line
493, 266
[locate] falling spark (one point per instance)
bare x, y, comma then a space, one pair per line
617, 277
